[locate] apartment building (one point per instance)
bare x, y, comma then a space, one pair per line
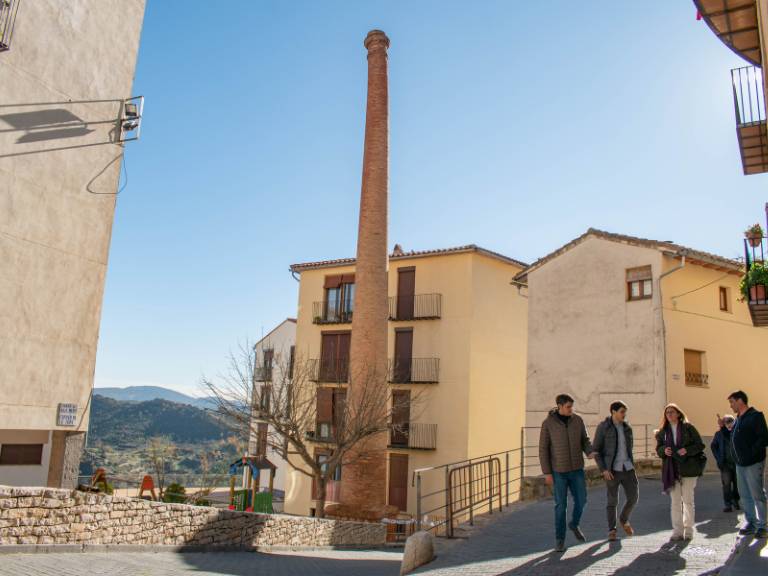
456, 339
273, 360
66, 70
648, 322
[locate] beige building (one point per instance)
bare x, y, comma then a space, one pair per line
456, 339
66, 72
647, 322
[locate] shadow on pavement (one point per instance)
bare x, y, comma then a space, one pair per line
666, 561
573, 565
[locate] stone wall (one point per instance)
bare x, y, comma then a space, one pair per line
535, 488
56, 516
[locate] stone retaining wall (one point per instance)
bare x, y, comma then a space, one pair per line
55, 516
535, 488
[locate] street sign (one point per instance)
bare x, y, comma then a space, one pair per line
67, 415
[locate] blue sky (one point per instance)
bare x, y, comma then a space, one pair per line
513, 125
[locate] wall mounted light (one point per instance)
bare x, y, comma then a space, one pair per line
130, 118
8, 10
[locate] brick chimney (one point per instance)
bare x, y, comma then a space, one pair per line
365, 480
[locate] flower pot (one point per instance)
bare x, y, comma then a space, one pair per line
757, 293
755, 241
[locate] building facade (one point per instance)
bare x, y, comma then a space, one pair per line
456, 341
273, 359
613, 317
66, 72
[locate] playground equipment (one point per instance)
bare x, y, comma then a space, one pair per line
249, 499
147, 485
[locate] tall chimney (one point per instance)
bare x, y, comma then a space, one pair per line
365, 479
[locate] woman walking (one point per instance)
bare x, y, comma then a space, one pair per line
681, 450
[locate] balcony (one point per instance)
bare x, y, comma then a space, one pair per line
696, 379
754, 284
8, 10
260, 373
319, 436
416, 307
329, 371
414, 371
329, 312
734, 22
749, 104
414, 436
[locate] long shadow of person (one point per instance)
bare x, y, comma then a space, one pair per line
666, 561
554, 563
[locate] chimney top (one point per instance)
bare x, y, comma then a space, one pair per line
376, 39
397, 250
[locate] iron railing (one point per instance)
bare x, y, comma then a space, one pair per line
262, 374
748, 96
330, 371
413, 435
416, 307
450, 494
414, 370
696, 379
324, 312
8, 11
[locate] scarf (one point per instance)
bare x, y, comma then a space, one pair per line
670, 473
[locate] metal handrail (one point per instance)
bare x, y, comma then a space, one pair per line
748, 96
415, 307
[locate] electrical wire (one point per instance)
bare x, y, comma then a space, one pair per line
700, 287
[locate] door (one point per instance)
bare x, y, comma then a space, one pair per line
401, 416
398, 481
406, 289
334, 356
403, 355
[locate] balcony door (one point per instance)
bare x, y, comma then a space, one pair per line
403, 355
401, 417
398, 481
334, 356
406, 290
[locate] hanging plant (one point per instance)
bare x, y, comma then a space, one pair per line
754, 235
754, 283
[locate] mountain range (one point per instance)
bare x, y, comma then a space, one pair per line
146, 393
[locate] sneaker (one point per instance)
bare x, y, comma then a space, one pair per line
612, 535
560, 546
761, 533
628, 529
578, 533
747, 530
728, 509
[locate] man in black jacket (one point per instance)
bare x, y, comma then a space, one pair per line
722, 448
750, 438
613, 447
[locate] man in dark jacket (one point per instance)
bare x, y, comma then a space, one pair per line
562, 443
613, 447
722, 448
749, 439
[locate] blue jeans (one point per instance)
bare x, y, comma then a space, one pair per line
752, 491
575, 482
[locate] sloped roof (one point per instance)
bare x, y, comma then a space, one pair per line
700, 257
268, 334
412, 254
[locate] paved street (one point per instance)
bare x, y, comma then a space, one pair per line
514, 543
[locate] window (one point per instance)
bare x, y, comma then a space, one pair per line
725, 299
265, 398
321, 458
21, 454
639, 283
330, 411
339, 298
269, 355
695, 372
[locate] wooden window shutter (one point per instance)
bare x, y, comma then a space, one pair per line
348, 279
324, 405
333, 281
639, 274
261, 447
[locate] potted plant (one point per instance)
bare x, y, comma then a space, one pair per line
754, 235
753, 284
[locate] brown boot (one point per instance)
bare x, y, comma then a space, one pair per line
628, 529
612, 535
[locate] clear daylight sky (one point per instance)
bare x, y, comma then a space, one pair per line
513, 125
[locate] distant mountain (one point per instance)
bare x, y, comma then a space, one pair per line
145, 393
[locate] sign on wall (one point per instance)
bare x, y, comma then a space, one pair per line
67, 415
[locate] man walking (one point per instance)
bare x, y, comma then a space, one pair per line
722, 448
613, 447
562, 444
750, 438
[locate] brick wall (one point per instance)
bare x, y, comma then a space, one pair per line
57, 516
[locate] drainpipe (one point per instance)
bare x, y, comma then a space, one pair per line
661, 311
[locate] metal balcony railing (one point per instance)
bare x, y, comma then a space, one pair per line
748, 97
414, 371
416, 307
262, 374
414, 435
696, 379
330, 313
329, 371
8, 11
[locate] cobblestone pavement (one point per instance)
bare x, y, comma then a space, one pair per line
511, 544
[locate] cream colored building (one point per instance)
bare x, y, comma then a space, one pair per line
457, 340
613, 317
65, 74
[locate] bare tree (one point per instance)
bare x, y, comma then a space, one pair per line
160, 453
289, 399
